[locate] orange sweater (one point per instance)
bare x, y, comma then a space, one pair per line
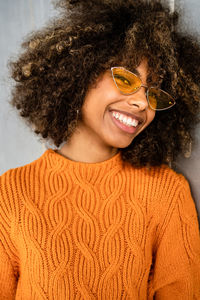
107, 231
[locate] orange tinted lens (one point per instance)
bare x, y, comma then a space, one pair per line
126, 81
159, 99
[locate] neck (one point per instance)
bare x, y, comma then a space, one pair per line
82, 149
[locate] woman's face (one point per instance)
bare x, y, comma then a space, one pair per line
105, 109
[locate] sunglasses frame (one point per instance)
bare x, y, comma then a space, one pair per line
142, 85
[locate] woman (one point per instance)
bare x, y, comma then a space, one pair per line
116, 88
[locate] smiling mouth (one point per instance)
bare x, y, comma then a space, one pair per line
128, 121
125, 122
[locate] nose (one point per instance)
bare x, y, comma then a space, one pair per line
139, 99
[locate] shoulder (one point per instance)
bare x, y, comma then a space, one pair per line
18, 182
169, 179
173, 193
161, 176
159, 188
14, 174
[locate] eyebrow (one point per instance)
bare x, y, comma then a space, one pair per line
136, 72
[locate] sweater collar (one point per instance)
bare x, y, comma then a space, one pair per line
88, 171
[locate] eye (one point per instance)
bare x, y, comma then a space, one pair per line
122, 79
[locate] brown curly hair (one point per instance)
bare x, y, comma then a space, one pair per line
63, 60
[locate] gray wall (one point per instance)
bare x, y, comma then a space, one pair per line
190, 167
18, 144
17, 18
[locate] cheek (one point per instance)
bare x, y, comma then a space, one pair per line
150, 116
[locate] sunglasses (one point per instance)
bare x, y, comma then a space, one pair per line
129, 83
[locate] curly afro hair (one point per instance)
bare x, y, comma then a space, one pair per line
63, 60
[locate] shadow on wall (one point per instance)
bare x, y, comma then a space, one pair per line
190, 167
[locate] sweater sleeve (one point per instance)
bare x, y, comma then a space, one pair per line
8, 266
175, 272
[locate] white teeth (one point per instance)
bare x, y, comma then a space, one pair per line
125, 120
129, 121
120, 117
134, 123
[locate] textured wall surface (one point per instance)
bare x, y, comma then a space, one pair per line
18, 144
17, 18
191, 167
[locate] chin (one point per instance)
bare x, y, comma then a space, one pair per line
122, 144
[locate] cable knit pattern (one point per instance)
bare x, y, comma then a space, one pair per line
107, 231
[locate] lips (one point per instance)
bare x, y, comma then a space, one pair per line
128, 114
126, 127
